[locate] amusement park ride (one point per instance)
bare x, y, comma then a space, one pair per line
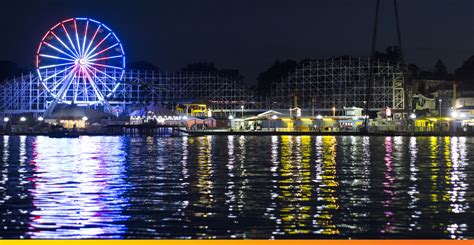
80, 61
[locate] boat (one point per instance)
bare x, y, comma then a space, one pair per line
61, 132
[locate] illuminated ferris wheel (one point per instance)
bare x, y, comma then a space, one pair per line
80, 61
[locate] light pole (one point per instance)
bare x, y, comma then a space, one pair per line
242, 109
319, 122
413, 118
364, 112
274, 118
440, 100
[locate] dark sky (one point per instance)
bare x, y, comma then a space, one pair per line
249, 34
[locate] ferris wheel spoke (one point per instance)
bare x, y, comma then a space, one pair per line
61, 41
98, 44
55, 57
92, 39
103, 50
94, 87
106, 58
56, 65
57, 73
85, 37
70, 40
62, 91
77, 38
107, 75
59, 50
62, 79
85, 90
107, 66
65, 88
98, 78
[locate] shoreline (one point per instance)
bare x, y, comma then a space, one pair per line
314, 133
264, 133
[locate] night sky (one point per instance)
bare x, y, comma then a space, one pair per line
250, 34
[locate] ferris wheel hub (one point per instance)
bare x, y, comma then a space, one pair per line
82, 61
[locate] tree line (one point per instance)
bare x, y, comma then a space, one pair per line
464, 75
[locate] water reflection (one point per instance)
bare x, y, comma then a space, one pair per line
295, 187
78, 188
458, 204
236, 187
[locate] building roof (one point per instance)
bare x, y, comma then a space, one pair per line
156, 109
75, 112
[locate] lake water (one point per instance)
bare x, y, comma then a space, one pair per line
267, 187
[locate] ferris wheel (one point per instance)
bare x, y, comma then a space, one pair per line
80, 61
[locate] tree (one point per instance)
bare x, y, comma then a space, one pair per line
9, 69
211, 68
200, 67
465, 74
143, 65
414, 71
392, 54
440, 71
274, 73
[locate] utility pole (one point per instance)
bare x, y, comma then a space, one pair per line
368, 83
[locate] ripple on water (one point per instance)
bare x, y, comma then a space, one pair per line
236, 187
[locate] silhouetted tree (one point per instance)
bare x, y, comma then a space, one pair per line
200, 67
143, 65
440, 71
465, 74
211, 68
274, 73
9, 69
392, 54
232, 74
414, 71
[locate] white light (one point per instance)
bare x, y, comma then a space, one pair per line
319, 117
298, 112
185, 118
40, 119
242, 107
6, 119
388, 112
22, 119
274, 117
463, 115
231, 117
413, 116
85, 118
454, 114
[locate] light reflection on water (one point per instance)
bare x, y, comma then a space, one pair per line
236, 187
